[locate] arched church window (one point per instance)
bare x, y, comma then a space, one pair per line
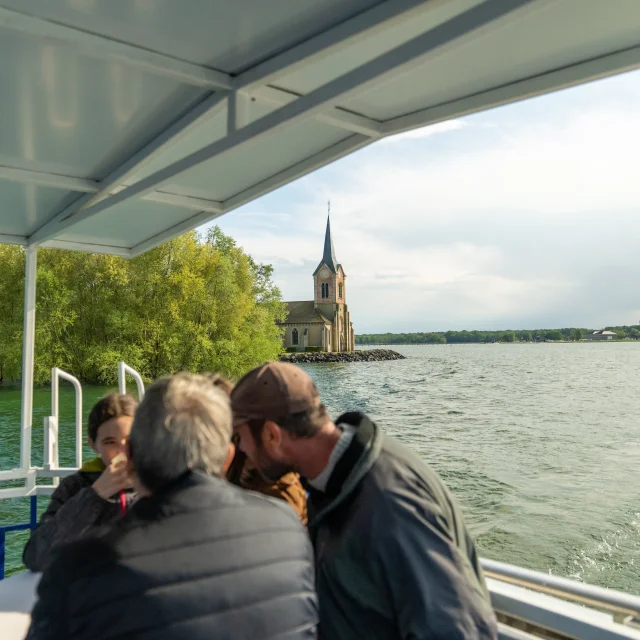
294, 337
340, 290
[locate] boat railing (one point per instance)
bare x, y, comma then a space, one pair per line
51, 463
623, 606
532, 602
123, 369
51, 460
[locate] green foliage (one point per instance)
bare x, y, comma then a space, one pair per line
291, 349
196, 304
462, 337
400, 338
313, 349
12, 263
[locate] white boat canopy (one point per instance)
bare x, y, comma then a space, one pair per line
124, 123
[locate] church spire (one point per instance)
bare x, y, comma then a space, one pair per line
329, 255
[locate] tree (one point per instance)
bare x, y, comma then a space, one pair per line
556, 334
196, 304
12, 264
576, 334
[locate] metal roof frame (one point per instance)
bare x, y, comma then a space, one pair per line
362, 78
152, 173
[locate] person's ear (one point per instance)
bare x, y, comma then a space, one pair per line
231, 453
271, 437
92, 444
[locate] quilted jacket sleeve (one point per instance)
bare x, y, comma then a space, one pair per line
74, 508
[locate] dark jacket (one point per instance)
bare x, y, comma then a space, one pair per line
74, 511
202, 559
394, 559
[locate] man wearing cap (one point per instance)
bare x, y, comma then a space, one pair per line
394, 559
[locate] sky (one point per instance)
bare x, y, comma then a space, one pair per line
525, 216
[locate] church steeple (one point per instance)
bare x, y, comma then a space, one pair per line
329, 255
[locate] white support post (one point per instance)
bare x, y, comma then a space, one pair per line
28, 339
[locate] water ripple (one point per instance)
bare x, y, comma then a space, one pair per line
540, 443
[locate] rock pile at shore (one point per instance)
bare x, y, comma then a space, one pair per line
369, 355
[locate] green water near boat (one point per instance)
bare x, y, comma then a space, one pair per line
539, 442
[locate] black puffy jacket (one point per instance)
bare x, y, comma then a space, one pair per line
202, 559
75, 510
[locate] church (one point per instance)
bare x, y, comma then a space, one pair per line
321, 324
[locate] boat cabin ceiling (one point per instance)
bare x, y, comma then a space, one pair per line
124, 123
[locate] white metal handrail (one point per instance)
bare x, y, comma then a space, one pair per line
616, 602
123, 369
56, 374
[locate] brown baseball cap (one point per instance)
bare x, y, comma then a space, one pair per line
274, 390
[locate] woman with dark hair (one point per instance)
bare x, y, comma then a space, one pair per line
97, 493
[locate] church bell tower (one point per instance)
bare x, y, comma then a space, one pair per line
330, 295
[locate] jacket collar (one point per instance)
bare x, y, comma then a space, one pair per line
95, 465
168, 499
350, 468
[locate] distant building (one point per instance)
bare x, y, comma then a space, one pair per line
324, 322
600, 335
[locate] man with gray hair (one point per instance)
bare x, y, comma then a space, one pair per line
195, 557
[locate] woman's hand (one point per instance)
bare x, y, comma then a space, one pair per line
114, 478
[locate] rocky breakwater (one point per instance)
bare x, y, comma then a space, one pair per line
368, 355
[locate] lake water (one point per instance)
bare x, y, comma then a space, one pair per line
539, 442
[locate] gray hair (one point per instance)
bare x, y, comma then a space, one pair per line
183, 422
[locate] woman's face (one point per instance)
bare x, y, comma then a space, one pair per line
112, 438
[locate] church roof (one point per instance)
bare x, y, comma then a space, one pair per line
304, 312
329, 254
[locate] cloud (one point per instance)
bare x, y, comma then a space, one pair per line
524, 216
425, 132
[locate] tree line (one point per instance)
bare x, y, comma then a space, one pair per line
462, 337
195, 303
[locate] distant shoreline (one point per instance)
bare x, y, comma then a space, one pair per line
450, 344
476, 336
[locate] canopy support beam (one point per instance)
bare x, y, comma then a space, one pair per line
385, 14
335, 117
28, 340
474, 22
69, 183
572, 75
104, 48
206, 109
298, 170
